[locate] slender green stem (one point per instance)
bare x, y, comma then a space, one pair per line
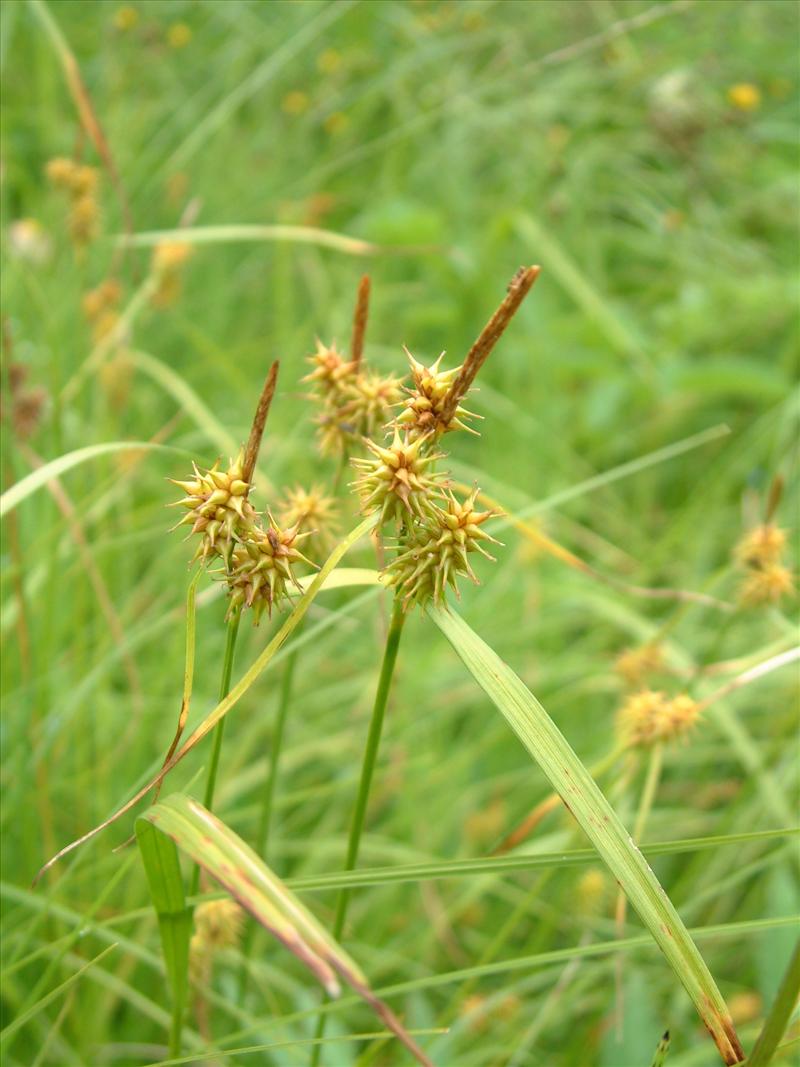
779, 1014
262, 834
275, 753
367, 769
649, 791
219, 729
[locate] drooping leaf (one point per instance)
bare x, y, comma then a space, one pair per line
232, 863
599, 821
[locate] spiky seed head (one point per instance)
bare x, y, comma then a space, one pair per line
331, 371
84, 220
372, 397
218, 923
397, 479
634, 665
649, 716
313, 513
167, 264
217, 507
262, 568
639, 719
423, 408
761, 546
678, 717
60, 172
436, 552
766, 585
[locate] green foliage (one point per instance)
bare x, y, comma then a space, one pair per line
639, 407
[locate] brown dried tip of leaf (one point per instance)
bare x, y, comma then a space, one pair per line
360, 319
517, 291
257, 431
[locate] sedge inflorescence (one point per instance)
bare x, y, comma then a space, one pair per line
760, 555
649, 717
259, 555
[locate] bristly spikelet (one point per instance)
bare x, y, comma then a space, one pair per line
167, 266
678, 717
649, 717
639, 718
634, 665
760, 546
422, 412
372, 397
436, 553
217, 507
766, 585
397, 480
766, 579
313, 513
100, 307
331, 379
261, 568
80, 183
217, 925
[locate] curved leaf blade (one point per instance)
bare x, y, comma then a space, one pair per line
232, 863
598, 820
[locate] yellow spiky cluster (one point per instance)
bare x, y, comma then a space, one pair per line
261, 569
217, 507
80, 183
634, 665
353, 402
437, 551
423, 410
397, 479
759, 554
169, 259
312, 512
217, 925
649, 716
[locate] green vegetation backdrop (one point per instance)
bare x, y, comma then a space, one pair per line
646, 156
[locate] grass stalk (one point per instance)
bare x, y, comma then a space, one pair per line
367, 769
219, 729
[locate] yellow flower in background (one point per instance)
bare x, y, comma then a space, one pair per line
744, 96
178, 35
329, 61
336, 123
295, 102
125, 18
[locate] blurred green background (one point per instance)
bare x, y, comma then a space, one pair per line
646, 156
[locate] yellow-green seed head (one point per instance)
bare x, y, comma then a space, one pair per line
261, 568
397, 480
436, 553
217, 507
761, 546
422, 412
649, 716
314, 514
766, 584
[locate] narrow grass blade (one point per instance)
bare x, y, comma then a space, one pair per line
245, 232
39, 478
229, 860
163, 869
779, 1014
599, 821
25, 1016
241, 687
